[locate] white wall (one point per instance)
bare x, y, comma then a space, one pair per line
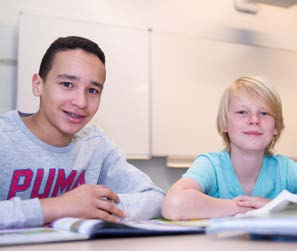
209, 18
185, 15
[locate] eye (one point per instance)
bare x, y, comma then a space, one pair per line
264, 113
67, 84
242, 112
93, 91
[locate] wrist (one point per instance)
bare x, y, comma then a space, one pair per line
52, 209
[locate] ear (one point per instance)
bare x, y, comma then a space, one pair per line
37, 83
275, 132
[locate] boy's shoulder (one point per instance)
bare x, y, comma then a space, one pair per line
282, 160
216, 156
90, 133
94, 138
7, 121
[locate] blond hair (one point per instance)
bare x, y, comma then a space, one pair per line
262, 93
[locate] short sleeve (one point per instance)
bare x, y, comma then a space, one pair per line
292, 176
203, 173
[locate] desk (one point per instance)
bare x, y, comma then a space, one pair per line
172, 243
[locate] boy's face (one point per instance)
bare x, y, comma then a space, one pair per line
70, 95
250, 126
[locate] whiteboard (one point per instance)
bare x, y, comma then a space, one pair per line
189, 75
124, 113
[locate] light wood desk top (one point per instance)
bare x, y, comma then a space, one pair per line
170, 243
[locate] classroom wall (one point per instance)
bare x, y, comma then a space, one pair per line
186, 16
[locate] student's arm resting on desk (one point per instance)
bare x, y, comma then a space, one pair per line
140, 199
184, 201
17, 213
84, 201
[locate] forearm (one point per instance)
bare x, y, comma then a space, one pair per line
17, 213
140, 199
192, 204
141, 206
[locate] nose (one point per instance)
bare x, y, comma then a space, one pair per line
80, 100
254, 119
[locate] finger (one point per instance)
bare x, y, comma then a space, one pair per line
258, 203
103, 192
252, 203
242, 197
110, 208
243, 203
102, 215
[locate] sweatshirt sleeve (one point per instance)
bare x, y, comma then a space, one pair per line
140, 199
17, 213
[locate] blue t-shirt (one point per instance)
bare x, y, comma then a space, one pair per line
216, 177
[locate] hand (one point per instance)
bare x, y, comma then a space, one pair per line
85, 201
252, 202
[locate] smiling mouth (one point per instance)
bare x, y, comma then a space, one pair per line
76, 116
253, 133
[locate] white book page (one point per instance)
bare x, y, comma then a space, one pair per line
36, 235
82, 226
160, 225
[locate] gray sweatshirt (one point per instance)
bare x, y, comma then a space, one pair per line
31, 169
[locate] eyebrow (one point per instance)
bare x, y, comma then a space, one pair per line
73, 77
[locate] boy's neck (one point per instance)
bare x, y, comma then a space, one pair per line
247, 166
46, 134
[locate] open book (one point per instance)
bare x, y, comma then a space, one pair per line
276, 218
70, 229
